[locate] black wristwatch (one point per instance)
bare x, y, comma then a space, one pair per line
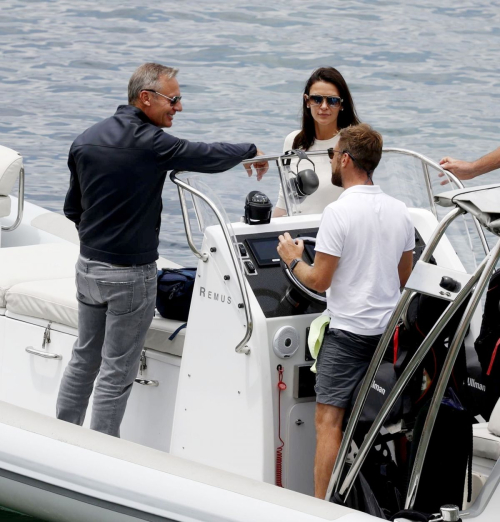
294, 263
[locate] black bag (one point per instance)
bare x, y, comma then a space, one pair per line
175, 290
450, 449
382, 385
361, 497
423, 313
488, 344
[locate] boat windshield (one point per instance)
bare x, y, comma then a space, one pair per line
203, 212
413, 179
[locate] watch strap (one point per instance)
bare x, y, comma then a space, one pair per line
294, 263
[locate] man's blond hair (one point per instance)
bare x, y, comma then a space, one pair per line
363, 144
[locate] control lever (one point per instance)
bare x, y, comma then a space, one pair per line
450, 284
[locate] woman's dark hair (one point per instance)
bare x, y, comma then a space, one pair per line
305, 138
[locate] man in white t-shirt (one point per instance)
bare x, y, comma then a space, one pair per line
364, 253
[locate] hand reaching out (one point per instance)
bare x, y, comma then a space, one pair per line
261, 167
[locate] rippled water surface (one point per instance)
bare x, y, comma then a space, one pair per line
425, 75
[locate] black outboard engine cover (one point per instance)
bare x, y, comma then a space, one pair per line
258, 208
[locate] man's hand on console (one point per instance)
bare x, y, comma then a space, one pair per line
261, 167
289, 248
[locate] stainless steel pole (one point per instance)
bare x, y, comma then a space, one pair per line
404, 379
445, 375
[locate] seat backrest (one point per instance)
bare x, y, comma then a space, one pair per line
11, 163
494, 423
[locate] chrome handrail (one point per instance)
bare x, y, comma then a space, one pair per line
444, 377
428, 186
187, 225
41, 353
403, 380
20, 205
241, 346
426, 162
378, 356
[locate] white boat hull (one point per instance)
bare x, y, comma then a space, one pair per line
62, 472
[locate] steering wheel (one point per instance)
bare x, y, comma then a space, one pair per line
313, 296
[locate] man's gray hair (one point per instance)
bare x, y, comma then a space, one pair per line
147, 76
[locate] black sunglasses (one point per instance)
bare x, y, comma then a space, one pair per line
317, 99
332, 151
172, 101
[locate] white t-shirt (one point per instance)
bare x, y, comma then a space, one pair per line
369, 231
326, 192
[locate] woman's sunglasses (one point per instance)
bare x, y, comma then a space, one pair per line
317, 99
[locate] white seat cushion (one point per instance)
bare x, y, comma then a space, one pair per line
35, 263
486, 444
11, 163
4, 206
55, 300
57, 225
159, 332
494, 423
52, 299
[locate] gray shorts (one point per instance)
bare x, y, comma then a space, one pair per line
342, 363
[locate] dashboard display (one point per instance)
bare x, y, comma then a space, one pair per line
264, 250
265, 253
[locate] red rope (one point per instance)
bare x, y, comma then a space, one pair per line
396, 345
493, 355
279, 450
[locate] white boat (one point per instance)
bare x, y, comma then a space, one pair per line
207, 433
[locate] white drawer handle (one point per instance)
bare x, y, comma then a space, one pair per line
145, 382
43, 354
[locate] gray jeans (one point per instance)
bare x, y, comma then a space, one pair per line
115, 309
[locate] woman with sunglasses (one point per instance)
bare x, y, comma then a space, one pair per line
327, 107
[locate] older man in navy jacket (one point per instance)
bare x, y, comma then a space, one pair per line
118, 168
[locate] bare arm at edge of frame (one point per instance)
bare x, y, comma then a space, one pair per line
405, 267
472, 169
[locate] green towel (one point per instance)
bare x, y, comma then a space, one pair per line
315, 339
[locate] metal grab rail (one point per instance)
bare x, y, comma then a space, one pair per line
476, 285
20, 204
446, 372
426, 163
404, 379
377, 359
181, 186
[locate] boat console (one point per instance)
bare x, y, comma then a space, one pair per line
246, 300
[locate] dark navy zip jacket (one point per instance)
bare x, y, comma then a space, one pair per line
118, 169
